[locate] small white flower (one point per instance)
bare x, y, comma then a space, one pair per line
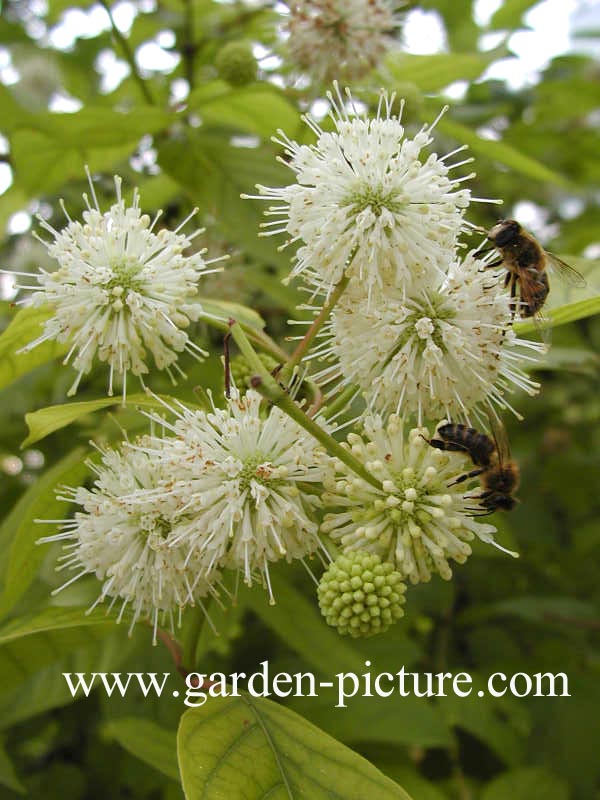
247, 482
122, 536
444, 350
418, 521
365, 192
121, 290
332, 38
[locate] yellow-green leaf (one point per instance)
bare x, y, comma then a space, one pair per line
45, 421
253, 748
501, 151
24, 328
19, 532
563, 314
259, 108
430, 73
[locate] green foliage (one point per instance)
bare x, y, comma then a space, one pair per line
146, 740
236, 743
23, 329
18, 533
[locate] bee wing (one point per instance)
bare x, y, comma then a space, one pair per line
565, 271
500, 437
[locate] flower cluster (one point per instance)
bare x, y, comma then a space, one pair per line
443, 350
232, 488
123, 536
121, 289
421, 329
332, 38
420, 518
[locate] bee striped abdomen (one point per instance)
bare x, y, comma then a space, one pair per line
478, 445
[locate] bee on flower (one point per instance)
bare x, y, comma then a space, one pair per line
446, 349
419, 520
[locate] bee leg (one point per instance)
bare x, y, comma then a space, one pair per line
494, 264
482, 496
513, 294
483, 250
479, 513
473, 474
440, 444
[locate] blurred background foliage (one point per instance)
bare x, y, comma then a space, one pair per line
187, 137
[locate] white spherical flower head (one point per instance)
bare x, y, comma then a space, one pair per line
332, 38
121, 535
444, 350
366, 196
248, 480
418, 520
121, 289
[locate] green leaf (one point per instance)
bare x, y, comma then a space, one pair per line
214, 173
510, 14
487, 718
225, 310
19, 532
411, 780
24, 328
101, 127
572, 359
8, 776
395, 720
502, 152
299, 623
47, 688
51, 148
32, 642
12, 200
147, 741
544, 610
527, 783
433, 72
252, 748
45, 421
562, 315
43, 164
259, 108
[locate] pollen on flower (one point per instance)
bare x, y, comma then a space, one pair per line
368, 200
447, 349
419, 520
122, 536
122, 290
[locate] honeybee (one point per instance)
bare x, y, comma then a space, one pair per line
526, 261
498, 474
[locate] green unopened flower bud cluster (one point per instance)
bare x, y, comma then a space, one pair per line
361, 595
242, 372
236, 64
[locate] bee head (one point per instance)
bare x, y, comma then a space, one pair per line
504, 232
